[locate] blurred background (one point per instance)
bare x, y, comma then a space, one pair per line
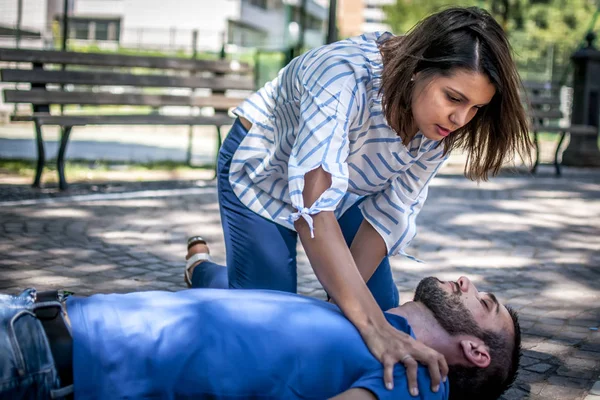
267, 34
544, 33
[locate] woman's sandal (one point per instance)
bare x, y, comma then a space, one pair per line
194, 240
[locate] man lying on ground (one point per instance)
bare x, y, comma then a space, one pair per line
239, 344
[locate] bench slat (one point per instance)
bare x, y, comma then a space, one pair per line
117, 79
573, 129
536, 86
38, 97
119, 60
152, 119
552, 114
544, 100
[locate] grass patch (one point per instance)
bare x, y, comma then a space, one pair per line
19, 165
553, 138
87, 171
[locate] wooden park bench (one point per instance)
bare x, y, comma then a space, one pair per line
90, 79
545, 113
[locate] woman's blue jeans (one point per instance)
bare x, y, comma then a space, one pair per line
261, 254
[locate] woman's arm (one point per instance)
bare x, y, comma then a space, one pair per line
332, 260
368, 249
335, 268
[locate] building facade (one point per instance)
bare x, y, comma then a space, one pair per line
359, 16
32, 31
163, 25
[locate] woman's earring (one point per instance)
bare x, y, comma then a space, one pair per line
412, 79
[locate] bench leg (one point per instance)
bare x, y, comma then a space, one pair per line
60, 161
219, 143
41, 156
556, 163
537, 152
190, 144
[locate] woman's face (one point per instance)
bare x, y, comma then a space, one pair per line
443, 104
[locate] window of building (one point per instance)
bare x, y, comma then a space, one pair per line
266, 4
103, 30
95, 29
245, 36
372, 20
259, 3
312, 22
78, 29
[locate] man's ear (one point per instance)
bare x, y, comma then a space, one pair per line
476, 352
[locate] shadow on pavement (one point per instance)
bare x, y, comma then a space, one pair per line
534, 241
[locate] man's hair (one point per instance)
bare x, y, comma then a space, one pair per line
455, 39
473, 383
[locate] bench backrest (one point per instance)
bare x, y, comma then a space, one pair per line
543, 101
116, 79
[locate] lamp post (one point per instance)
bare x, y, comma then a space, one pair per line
19, 19
302, 27
583, 150
332, 28
65, 25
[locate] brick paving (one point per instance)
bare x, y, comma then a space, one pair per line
534, 241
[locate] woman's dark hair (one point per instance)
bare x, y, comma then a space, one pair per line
441, 44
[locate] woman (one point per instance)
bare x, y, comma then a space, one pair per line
340, 149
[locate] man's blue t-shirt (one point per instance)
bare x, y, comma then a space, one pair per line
224, 344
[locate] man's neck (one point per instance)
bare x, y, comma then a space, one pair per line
429, 332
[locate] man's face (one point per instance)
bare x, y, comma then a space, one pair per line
461, 309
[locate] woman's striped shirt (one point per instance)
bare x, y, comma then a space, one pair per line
324, 109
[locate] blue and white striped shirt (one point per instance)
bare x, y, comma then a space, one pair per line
324, 109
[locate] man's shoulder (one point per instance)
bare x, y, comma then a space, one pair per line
400, 323
373, 382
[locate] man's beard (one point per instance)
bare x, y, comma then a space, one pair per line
447, 309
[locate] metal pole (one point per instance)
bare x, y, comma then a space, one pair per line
302, 28
288, 49
172, 34
65, 25
18, 35
19, 19
256, 67
194, 43
550, 62
332, 30
190, 145
223, 53
63, 47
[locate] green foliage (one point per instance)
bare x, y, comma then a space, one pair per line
543, 33
268, 65
94, 48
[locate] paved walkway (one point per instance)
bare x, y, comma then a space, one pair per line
535, 242
112, 143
